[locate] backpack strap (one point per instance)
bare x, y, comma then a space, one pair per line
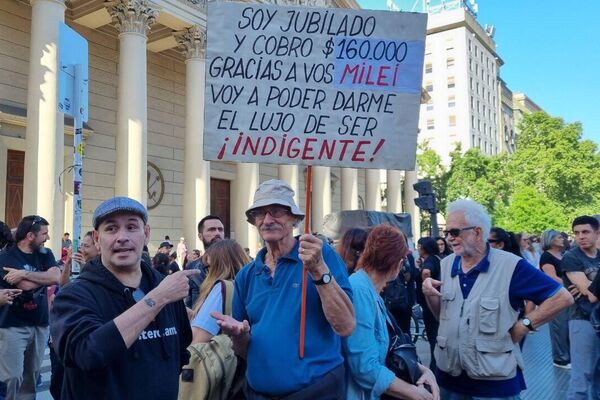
227, 295
392, 323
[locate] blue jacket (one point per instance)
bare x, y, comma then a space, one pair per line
367, 347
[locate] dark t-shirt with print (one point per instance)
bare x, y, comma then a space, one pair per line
575, 260
31, 307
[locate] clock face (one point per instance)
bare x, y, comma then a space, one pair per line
156, 186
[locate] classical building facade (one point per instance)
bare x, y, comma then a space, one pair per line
144, 134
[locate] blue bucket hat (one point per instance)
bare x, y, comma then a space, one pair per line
118, 205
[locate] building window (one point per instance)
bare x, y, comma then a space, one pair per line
427, 48
429, 87
450, 62
451, 83
430, 124
430, 105
451, 101
428, 68
473, 121
472, 102
449, 44
452, 120
477, 87
470, 45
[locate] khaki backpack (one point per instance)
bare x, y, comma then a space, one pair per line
213, 372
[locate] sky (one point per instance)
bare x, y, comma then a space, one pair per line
551, 52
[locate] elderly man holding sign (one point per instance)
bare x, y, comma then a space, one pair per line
267, 302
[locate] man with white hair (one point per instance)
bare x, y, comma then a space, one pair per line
477, 302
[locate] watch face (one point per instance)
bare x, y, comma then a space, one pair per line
326, 278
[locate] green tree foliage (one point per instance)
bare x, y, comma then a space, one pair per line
478, 177
531, 211
430, 167
552, 157
552, 177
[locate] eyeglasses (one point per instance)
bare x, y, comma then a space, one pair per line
275, 211
455, 232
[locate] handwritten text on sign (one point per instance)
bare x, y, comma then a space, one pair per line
297, 85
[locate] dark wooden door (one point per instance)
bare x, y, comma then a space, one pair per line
220, 200
15, 172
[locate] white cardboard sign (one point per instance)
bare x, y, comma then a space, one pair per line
313, 86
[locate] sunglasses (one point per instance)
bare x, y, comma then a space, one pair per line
494, 241
36, 220
455, 232
274, 211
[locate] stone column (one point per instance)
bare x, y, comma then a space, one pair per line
373, 190
246, 183
410, 178
394, 191
289, 173
133, 18
44, 137
196, 174
349, 189
321, 197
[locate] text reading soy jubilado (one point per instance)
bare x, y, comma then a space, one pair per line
313, 86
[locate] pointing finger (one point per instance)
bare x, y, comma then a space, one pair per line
189, 272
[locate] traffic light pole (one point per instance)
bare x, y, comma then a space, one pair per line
434, 225
426, 202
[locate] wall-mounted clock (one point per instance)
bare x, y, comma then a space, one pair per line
156, 186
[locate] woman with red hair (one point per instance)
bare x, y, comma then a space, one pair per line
367, 347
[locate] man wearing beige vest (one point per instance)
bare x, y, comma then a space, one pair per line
477, 302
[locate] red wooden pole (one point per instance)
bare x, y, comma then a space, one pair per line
304, 271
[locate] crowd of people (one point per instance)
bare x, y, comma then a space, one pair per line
300, 320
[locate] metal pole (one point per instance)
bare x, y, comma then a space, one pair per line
77, 162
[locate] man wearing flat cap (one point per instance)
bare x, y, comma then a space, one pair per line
120, 329
265, 327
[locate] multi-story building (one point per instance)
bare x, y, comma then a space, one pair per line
461, 76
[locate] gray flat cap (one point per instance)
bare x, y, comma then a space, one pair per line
118, 205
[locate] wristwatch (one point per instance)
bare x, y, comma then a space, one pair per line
325, 279
528, 324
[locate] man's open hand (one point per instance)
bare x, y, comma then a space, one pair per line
231, 326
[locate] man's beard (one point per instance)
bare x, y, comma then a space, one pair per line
213, 241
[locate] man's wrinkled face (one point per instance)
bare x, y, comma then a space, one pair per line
467, 237
212, 231
585, 236
121, 239
274, 222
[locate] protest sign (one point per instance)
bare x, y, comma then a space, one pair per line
313, 86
